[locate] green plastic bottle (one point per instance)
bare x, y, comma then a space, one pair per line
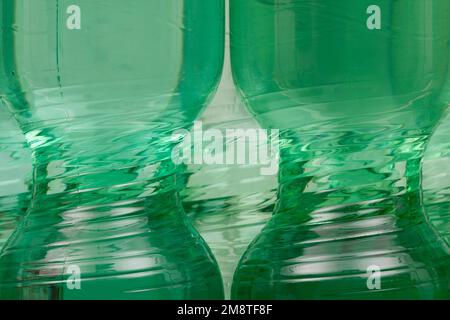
98, 87
14, 175
356, 88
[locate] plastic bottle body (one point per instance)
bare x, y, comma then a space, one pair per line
15, 168
98, 88
356, 88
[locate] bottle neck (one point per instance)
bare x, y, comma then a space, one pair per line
109, 173
339, 176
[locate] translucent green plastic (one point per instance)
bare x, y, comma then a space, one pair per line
356, 88
14, 175
98, 87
